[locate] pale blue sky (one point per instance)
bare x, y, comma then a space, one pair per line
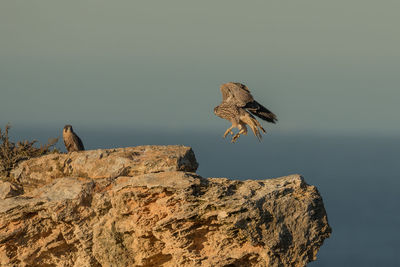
320, 66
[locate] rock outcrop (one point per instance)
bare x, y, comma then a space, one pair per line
104, 163
145, 206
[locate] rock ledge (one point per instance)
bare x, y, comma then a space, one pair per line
145, 206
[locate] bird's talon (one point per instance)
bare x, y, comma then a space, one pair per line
235, 138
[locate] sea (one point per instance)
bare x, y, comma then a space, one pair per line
357, 176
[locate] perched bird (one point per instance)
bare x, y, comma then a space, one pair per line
237, 106
71, 141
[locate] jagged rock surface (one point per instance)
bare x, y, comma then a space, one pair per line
104, 163
8, 189
160, 218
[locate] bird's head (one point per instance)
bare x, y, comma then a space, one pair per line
216, 109
68, 128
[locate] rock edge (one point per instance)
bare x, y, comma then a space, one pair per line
159, 214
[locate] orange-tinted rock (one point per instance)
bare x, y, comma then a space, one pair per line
104, 163
167, 218
8, 189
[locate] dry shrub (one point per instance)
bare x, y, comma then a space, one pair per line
13, 153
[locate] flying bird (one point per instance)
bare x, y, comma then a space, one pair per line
238, 106
71, 141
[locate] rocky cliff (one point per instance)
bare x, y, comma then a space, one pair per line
145, 206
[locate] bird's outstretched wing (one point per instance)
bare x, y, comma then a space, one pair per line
236, 93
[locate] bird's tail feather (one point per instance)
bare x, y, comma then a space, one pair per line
254, 125
260, 111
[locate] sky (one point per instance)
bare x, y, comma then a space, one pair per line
321, 66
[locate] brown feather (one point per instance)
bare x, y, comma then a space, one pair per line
237, 106
72, 141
